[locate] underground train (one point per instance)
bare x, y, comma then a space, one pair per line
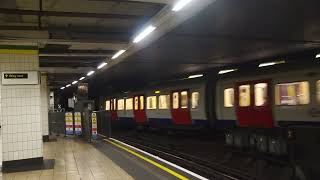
253, 107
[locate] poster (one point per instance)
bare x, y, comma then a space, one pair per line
69, 123
77, 123
94, 125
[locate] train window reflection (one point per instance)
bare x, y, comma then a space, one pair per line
120, 104
184, 99
260, 94
164, 101
318, 91
229, 97
195, 100
244, 95
141, 102
129, 104
152, 102
296, 93
175, 100
108, 105
136, 103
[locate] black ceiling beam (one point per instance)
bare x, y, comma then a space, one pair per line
68, 14
132, 1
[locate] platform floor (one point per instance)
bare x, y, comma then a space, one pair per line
78, 160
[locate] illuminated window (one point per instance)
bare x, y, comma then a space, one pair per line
141, 102
296, 93
152, 102
114, 104
318, 91
129, 104
164, 101
244, 95
120, 104
108, 105
175, 100
195, 100
229, 97
136, 103
261, 94
184, 99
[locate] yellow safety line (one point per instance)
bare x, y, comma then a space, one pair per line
102, 135
19, 51
177, 175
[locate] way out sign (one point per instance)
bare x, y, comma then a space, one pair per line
94, 125
77, 123
69, 123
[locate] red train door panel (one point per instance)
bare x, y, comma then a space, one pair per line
180, 108
262, 104
139, 112
253, 102
113, 109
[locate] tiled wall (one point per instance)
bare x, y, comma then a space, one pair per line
44, 105
20, 111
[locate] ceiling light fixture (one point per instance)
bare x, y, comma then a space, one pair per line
82, 78
195, 76
90, 73
318, 55
68, 85
180, 4
74, 82
144, 34
271, 63
118, 54
226, 71
62, 87
102, 65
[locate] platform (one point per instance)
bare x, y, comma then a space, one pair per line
76, 159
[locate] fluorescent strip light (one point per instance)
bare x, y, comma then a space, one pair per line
82, 78
62, 87
144, 34
74, 82
118, 54
195, 76
226, 71
68, 85
271, 63
102, 65
90, 73
180, 4
318, 55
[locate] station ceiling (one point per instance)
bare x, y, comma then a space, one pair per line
77, 35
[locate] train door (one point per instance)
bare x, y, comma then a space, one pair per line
139, 111
180, 109
253, 101
113, 109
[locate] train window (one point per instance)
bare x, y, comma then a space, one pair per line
164, 101
195, 100
260, 94
136, 103
114, 104
184, 99
120, 104
141, 102
129, 104
296, 93
152, 102
244, 95
108, 105
175, 100
318, 91
229, 97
